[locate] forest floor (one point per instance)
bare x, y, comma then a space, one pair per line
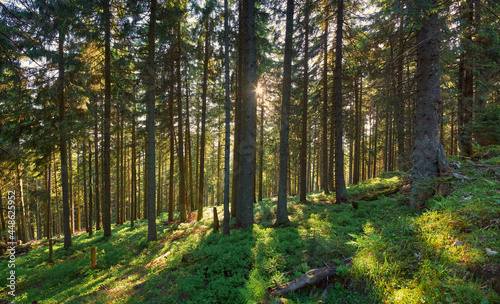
399, 255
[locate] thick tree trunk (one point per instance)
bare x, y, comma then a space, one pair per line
107, 122
63, 145
235, 209
282, 212
150, 125
340, 189
428, 154
247, 145
323, 169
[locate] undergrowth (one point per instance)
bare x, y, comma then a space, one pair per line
399, 255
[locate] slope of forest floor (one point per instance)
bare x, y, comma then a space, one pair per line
436, 255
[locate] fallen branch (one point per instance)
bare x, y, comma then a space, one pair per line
312, 277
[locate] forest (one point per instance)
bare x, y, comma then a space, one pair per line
250, 151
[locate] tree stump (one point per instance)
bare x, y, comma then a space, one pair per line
216, 220
93, 258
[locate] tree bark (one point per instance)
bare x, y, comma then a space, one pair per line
261, 152
133, 200
303, 144
172, 146
48, 211
90, 209
340, 189
107, 122
357, 132
282, 212
235, 209
324, 115
227, 120
428, 154
182, 173
97, 197
201, 184
247, 145
150, 125
63, 144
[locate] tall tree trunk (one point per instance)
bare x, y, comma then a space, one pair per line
261, 151
468, 78
172, 145
118, 185
189, 150
357, 132
400, 103
63, 144
323, 169
303, 144
247, 146
159, 193
23, 228
201, 185
37, 215
97, 196
182, 173
122, 172
227, 119
150, 125
282, 212
428, 154
79, 194
340, 189
107, 122
90, 210
85, 201
71, 200
235, 209
48, 211
133, 200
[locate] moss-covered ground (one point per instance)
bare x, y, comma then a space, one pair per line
400, 255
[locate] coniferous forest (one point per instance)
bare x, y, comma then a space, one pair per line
250, 151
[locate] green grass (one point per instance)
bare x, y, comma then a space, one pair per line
400, 255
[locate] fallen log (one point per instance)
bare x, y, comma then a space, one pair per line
312, 277
375, 196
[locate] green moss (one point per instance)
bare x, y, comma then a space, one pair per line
400, 255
